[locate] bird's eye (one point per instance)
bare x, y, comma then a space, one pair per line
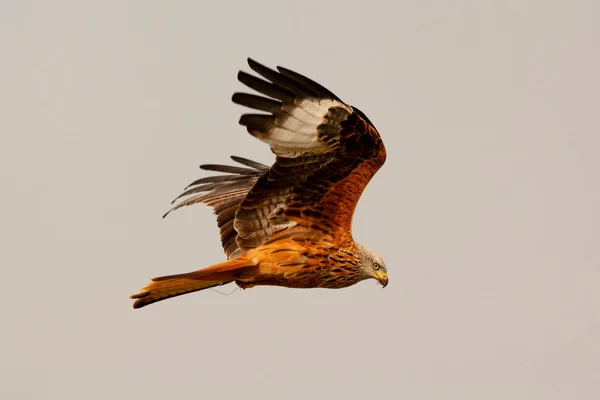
376, 267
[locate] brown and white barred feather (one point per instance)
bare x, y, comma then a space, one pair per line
304, 118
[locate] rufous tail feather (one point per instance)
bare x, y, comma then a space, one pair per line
165, 287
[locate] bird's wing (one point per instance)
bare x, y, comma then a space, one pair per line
327, 152
223, 193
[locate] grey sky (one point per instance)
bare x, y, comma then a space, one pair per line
486, 211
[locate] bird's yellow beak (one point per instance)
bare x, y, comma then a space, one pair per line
383, 279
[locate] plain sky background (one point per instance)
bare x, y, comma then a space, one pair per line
486, 212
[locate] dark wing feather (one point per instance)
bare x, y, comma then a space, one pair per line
224, 193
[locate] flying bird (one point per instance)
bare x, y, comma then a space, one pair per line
289, 224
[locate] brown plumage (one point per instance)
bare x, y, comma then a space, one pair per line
289, 224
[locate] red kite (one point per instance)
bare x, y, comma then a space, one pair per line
289, 224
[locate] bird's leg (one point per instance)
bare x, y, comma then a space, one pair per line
244, 285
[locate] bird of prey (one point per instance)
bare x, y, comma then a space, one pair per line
289, 224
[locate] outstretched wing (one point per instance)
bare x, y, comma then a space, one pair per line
327, 152
223, 193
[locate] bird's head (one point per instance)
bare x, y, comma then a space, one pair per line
373, 266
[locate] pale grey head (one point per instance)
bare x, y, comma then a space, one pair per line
372, 265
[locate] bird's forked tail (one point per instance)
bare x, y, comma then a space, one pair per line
165, 287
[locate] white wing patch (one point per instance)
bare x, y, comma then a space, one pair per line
295, 132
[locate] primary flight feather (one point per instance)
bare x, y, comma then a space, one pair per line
289, 224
